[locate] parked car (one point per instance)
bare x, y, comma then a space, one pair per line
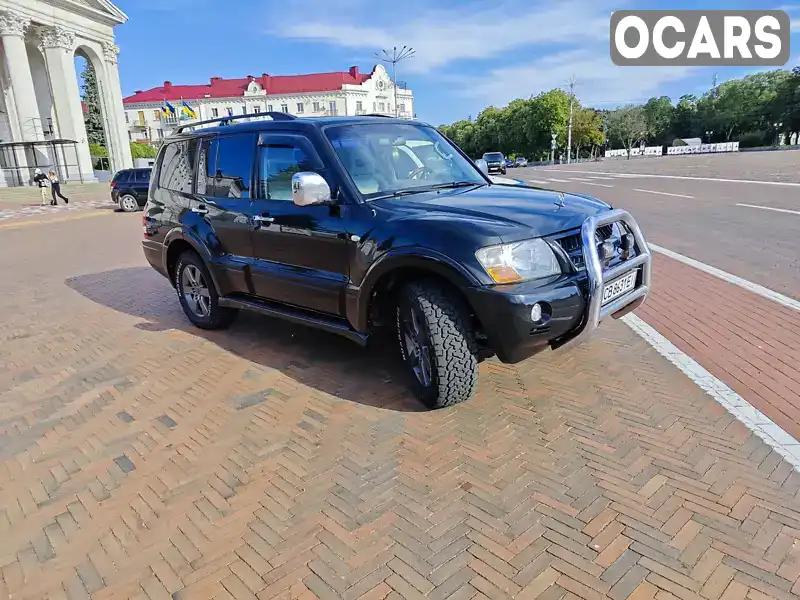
509, 163
495, 161
129, 188
353, 224
521, 161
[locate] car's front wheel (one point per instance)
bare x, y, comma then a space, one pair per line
436, 344
198, 295
128, 203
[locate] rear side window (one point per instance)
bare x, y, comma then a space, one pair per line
177, 166
234, 166
207, 166
122, 176
143, 176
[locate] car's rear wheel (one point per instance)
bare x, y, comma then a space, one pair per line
436, 344
198, 295
128, 203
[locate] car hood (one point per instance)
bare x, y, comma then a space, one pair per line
512, 212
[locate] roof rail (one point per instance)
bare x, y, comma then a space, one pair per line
275, 116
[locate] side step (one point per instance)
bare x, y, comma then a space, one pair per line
295, 315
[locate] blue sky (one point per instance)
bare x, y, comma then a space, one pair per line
470, 54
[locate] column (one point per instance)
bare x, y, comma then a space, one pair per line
116, 116
12, 31
58, 45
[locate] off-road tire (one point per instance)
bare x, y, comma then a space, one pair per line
219, 317
452, 348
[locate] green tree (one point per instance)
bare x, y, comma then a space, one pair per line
659, 114
142, 150
587, 130
627, 125
785, 106
90, 95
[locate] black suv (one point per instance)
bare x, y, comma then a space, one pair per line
351, 223
129, 188
495, 161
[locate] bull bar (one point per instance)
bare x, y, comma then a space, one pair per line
621, 306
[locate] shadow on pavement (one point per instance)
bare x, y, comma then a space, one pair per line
311, 357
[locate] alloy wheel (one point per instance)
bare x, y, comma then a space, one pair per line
417, 346
195, 290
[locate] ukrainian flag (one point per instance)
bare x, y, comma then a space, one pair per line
188, 111
168, 108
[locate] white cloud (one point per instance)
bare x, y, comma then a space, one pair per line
599, 81
471, 31
539, 45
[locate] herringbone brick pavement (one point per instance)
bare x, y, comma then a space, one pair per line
141, 458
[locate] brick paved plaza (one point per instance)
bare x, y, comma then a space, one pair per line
143, 458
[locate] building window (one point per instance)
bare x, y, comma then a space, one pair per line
402, 107
230, 111
359, 106
159, 133
381, 107
269, 108
332, 106
215, 112
127, 118
285, 108
157, 115
317, 107
130, 137
299, 107
374, 107
257, 108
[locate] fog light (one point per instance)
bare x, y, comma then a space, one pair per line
536, 312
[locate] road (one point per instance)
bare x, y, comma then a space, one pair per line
748, 229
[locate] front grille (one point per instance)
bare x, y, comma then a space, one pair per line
571, 243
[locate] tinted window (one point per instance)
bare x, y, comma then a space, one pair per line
143, 176
493, 156
277, 164
234, 166
177, 166
122, 176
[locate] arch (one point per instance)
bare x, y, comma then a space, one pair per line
94, 62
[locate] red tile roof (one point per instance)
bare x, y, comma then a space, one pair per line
232, 88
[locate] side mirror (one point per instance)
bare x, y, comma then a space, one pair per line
482, 165
309, 189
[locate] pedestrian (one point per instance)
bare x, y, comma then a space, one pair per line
56, 189
41, 180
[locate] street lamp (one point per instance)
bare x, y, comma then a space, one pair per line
393, 58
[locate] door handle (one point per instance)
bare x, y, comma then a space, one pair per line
200, 210
262, 219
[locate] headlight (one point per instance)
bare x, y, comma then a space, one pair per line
519, 261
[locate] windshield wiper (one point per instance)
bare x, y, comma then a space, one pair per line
457, 184
429, 188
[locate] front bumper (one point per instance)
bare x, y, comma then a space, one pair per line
573, 305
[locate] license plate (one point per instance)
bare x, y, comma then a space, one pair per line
619, 286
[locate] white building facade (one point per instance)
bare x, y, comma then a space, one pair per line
39, 96
314, 95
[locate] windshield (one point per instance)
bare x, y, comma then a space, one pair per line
492, 156
386, 158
